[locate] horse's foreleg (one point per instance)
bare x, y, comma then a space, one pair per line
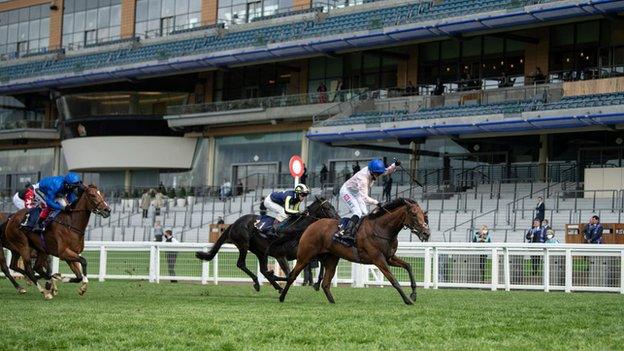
28, 272
397, 262
264, 269
242, 255
382, 264
43, 268
72, 257
292, 276
330, 263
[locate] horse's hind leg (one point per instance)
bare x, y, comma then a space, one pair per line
382, 264
42, 267
283, 263
292, 276
330, 264
7, 273
264, 269
28, 271
397, 262
317, 285
242, 255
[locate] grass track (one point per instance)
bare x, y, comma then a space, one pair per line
140, 315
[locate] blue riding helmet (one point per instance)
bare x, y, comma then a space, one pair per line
73, 179
376, 167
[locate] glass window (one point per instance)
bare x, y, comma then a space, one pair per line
152, 16
100, 18
21, 30
240, 11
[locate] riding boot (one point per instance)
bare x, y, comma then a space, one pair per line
348, 233
39, 226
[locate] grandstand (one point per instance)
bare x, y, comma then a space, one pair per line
489, 104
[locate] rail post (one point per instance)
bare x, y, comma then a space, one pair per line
506, 269
103, 259
215, 270
436, 262
568, 271
546, 268
494, 277
427, 277
205, 269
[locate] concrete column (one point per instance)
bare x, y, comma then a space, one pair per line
127, 179
209, 11
408, 70
128, 13
414, 158
305, 146
210, 161
56, 25
543, 158
536, 55
56, 166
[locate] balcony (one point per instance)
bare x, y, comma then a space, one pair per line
284, 107
11, 129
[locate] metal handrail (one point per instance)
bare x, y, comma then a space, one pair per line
262, 103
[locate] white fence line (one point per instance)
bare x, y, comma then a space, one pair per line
494, 266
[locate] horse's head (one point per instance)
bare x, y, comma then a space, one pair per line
96, 202
417, 221
322, 208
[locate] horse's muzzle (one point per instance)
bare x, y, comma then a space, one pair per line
105, 213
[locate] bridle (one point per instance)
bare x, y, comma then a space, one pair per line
407, 225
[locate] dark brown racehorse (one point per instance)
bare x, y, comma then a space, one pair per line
246, 237
64, 238
376, 243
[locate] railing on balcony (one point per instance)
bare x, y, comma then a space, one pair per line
266, 102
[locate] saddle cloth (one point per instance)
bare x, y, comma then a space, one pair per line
264, 223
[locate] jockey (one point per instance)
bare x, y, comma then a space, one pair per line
354, 193
53, 190
27, 197
282, 204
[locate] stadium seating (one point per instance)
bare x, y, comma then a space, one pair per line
350, 22
374, 117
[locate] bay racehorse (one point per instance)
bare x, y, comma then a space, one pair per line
376, 243
3, 263
246, 237
63, 238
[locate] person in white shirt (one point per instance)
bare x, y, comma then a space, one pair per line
171, 256
355, 193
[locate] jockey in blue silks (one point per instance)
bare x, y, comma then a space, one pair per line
56, 191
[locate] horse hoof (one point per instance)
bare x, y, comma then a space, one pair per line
47, 296
21, 291
57, 276
281, 298
409, 302
413, 297
316, 287
55, 292
256, 286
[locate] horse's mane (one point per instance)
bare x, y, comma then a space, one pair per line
390, 206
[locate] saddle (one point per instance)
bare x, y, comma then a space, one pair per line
265, 224
31, 218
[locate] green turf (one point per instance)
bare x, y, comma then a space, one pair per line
139, 315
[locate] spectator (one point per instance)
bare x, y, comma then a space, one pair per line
226, 190
322, 90
410, 89
145, 203
158, 201
324, 173
482, 236
538, 76
239, 188
546, 225
550, 237
82, 131
356, 167
540, 209
161, 188
387, 188
220, 220
439, 88
536, 235
304, 177
263, 209
171, 256
505, 81
593, 231
157, 231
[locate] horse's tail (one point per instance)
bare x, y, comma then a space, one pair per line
207, 256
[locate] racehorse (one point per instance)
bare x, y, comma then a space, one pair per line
64, 238
3, 264
246, 237
376, 243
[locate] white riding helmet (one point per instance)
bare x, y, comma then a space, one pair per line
302, 189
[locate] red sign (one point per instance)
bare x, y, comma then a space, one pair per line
296, 166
